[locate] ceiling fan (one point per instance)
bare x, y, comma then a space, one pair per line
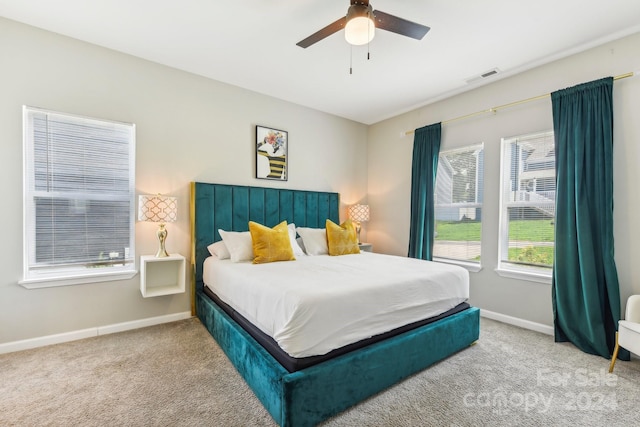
360, 23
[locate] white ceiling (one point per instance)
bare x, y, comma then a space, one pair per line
252, 43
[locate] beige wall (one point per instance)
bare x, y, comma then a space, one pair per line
188, 128
390, 167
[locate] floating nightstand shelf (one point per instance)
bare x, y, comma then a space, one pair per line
366, 247
162, 276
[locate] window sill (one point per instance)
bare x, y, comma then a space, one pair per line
80, 279
471, 266
522, 275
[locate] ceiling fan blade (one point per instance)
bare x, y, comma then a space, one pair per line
325, 32
384, 21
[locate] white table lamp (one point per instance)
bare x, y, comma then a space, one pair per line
359, 214
158, 208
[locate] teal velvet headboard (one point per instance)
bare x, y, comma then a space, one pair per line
231, 207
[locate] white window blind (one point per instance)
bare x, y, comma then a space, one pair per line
528, 192
458, 204
79, 195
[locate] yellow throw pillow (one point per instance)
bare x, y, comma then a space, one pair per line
342, 239
270, 244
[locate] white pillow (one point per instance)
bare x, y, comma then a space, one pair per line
297, 250
219, 249
301, 243
314, 239
239, 245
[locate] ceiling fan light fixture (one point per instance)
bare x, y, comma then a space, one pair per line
360, 27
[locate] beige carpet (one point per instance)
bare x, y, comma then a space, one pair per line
176, 375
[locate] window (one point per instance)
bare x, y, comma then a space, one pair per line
78, 199
527, 205
458, 206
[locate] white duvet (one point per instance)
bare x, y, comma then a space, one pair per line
319, 303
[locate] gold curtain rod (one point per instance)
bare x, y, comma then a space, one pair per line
513, 104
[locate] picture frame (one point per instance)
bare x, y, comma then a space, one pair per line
272, 161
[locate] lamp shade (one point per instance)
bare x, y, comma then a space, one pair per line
359, 213
157, 208
360, 28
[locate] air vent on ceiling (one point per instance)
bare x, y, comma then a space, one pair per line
484, 75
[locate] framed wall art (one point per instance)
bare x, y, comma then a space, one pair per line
271, 153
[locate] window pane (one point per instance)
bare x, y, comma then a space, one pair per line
72, 155
81, 231
458, 204
79, 195
528, 203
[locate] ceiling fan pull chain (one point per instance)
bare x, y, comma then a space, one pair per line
350, 59
369, 42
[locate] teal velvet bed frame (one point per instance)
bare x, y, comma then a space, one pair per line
309, 396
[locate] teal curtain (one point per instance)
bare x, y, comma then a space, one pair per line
585, 290
426, 148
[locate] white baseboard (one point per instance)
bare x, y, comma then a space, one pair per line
142, 323
526, 324
91, 332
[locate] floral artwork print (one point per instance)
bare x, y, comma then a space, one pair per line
271, 153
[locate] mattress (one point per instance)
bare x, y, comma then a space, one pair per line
316, 304
293, 364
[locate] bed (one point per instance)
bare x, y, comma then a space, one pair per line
322, 385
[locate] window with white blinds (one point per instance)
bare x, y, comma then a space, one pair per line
528, 193
458, 205
79, 196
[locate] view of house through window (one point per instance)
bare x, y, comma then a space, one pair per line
79, 195
528, 203
458, 204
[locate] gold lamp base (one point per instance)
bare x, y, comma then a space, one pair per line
162, 236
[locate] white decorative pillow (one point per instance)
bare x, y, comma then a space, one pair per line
219, 249
239, 245
314, 239
297, 250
